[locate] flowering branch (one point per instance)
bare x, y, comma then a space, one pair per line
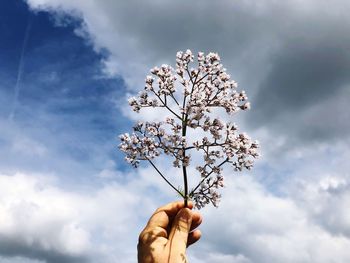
202, 89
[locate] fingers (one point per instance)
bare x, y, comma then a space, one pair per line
150, 235
179, 232
195, 234
163, 215
165, 219
193, 237
196, 220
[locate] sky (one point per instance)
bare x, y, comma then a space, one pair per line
66, 71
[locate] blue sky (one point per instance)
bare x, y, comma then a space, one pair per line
66, 70
64, 103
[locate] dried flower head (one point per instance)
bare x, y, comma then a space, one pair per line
190, 95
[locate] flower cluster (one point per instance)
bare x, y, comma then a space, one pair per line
190, 95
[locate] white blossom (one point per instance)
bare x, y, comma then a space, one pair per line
204, 86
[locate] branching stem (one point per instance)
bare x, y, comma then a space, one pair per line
193, 191
166, 180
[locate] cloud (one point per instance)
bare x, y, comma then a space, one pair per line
235, 30
253, 225
326, 202
220, 258
42, 221
36, 221
18, 260
306, 222
305, 90
321, 187
291, 57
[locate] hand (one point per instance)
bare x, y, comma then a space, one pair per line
170, 230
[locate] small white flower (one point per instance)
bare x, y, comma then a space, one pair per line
201, 88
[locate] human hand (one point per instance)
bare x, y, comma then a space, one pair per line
170, 230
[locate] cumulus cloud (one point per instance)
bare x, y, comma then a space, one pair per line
306, 222
253, 225
42, 221
19, 260
295, 51
291, 57
36, 220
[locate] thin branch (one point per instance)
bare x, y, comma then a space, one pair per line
171, 95
166, 106
192, 192
206, 75
159, 172
189, 75
166, 180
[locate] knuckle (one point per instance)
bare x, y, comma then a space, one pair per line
149, 235
143, 237
159, 210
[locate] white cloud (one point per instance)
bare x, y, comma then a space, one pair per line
251, 224
262, 227
220, 258
325, 199
298, 214
42, 221
139, 35
252, 38
36, 215
18, 260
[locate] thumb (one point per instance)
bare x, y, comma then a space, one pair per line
179, 232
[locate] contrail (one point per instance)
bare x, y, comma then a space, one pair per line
19, 72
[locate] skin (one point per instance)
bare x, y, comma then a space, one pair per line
170, 230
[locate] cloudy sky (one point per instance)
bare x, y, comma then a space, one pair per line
66, 70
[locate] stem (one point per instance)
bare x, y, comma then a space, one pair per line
166, 180
184, 128
222, 163
184, 170
201, 78
171, 95
165, 104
